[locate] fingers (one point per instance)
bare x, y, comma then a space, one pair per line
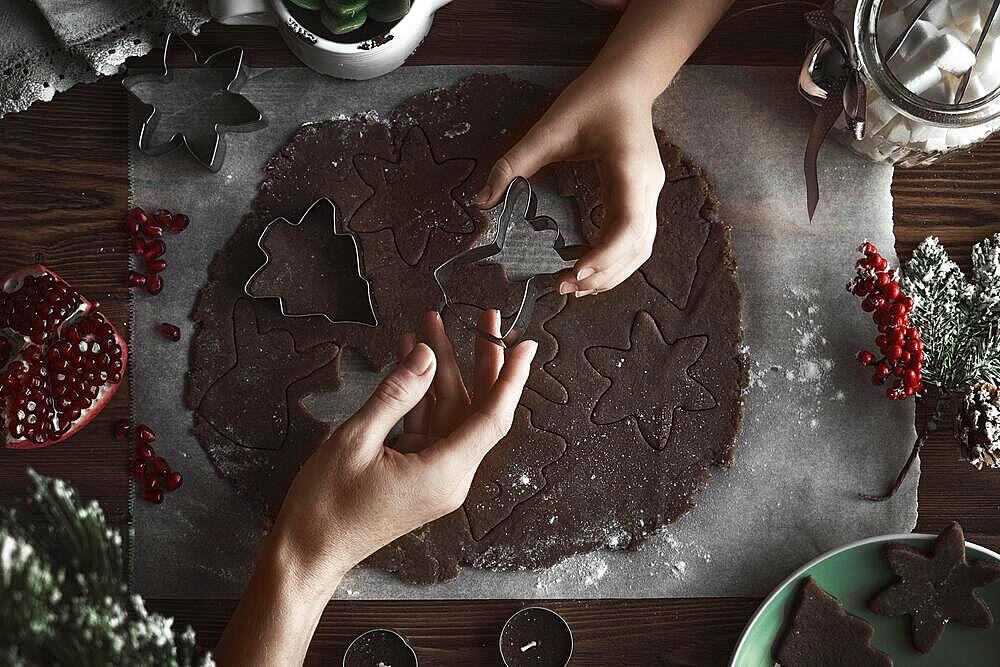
395, 396
417, 420
537, 149
626, 240
489, 356
450, 395
464, 449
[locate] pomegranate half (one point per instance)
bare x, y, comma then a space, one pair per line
61, 360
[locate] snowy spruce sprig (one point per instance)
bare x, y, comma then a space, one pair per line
62, 595
957, 318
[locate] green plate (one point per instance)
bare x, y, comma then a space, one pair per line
853, 574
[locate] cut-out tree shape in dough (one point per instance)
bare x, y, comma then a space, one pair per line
413, 196
650, 381
313, 268
937, 588
511, 473
822, 634
236, 406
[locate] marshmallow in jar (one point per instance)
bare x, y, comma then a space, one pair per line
932, 76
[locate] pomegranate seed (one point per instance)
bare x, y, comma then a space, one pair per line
156, 265
160, 465
178, 223
135, 219
163, 218
174, 481
144, 452
145, 434
154, 284
136, 279
122, 429
153, 482
138, 470
154, 249
138, 246
170, 332
152, 230
153, 496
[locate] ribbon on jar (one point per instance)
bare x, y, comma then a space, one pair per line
847, 96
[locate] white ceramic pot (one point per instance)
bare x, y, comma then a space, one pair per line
361, 60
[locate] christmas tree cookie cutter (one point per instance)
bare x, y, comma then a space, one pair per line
321, 211
519, 206
212, 153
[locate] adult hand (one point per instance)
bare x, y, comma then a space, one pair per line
606, 118
361, 490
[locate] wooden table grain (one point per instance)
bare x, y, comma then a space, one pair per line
64, 189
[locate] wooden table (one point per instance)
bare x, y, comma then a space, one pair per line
64, 189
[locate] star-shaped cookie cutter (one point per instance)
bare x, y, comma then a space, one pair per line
216, 156
355, 263
519, 206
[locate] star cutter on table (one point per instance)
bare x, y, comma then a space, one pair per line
355, 264
147, 128
519, 206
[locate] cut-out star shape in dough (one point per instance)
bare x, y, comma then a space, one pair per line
313, 268
413, 196
650, 381
937, 588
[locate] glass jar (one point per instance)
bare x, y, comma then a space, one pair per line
902, 127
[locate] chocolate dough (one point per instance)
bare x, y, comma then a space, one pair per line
822, 634
599, 454
937, 588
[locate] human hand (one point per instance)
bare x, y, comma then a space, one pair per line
604, 117
358, 491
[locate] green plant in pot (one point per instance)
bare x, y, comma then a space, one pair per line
343, 16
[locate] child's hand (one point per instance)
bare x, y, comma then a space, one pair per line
599, 117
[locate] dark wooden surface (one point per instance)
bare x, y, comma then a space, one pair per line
64, 188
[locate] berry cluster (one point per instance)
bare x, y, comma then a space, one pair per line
898, 340
147, 243
152, 471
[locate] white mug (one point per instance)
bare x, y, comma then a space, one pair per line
361, 60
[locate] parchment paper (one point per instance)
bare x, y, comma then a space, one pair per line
815, 432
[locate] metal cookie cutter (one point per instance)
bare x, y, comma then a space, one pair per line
212, 153
536, 637
322, 211
380, 646
519, 206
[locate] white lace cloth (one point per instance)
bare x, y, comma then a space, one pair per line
48, 46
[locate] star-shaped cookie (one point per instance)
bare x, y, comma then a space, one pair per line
413, 196
937, 588
198, 115
650, 380
313, 268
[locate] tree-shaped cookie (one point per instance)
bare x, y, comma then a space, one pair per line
235, 404
313, 268
650, 380
822, 634
413, 196
936, 588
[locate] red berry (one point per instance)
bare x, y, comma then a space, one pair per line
153, 496
867, 305
145, 434
882, 369
156, 265
174, 481
178, 223
911, 379
882, 341
122, 429
144, 452
170, 331
154, 284
868, 248
135, 219
136, 279
891, 291
894, 352
160, 465
154, 249
907, 302
882, 280
866, 358
878, 263
878, 378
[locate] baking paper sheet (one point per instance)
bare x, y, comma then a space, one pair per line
815, 431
